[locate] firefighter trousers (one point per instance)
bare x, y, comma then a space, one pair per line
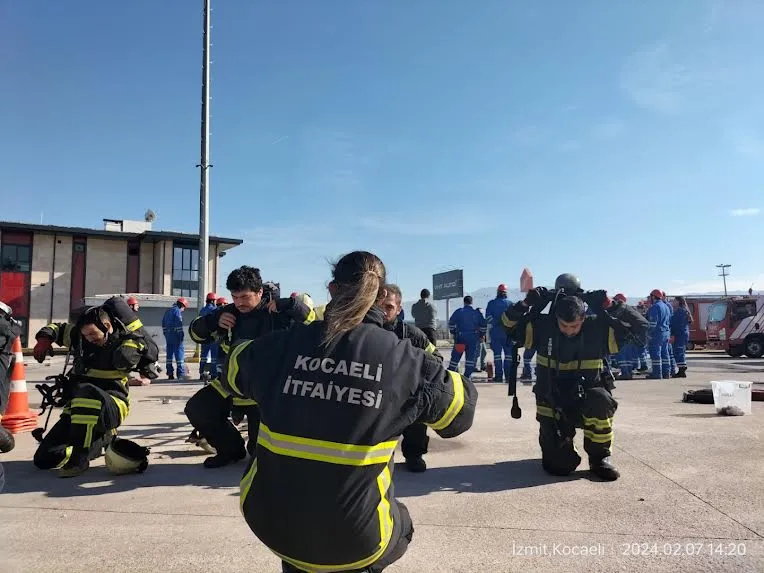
86, 426
415, 441
594, 413
208, 411
403, 531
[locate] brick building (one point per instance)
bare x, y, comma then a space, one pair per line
46, 271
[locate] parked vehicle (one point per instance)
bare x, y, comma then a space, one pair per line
699, 306
736, 325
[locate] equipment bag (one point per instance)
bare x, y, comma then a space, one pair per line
127, 320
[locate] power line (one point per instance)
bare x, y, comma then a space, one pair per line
724, 274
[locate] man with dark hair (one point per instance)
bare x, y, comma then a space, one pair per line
257, 310
107, 342
425, 315
415, 440
501, 345
570, 391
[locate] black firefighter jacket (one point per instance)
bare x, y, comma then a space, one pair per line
319, 493
415, 335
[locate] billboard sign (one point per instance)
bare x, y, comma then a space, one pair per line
448, 285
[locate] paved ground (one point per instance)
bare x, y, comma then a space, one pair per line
690, 498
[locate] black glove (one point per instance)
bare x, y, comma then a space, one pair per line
596, 299
537, 296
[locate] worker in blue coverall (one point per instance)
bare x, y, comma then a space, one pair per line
468, 326
172, 327
672, 360
501, 345
659, 317
208, 358
681, 320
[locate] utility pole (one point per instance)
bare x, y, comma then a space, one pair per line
724, 275
204, 192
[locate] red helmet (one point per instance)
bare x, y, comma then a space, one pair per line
211, 296
221, 301
620, 297
132, 300
293, 295
182, 301
657, 293
501, 288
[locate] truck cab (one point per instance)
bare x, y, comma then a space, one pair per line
736, 325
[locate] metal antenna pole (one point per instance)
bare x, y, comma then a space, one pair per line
724, 275
204, 192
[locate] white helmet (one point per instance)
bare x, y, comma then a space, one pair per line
126, 457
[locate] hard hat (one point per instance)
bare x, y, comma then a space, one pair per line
501, 288
294, 294
221, 301
211, 296
620, 297
182, 301
132, 300
657, 293
125, 457
568, 282
305, 298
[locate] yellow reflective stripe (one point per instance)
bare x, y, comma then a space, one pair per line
194, 336
431, 348
225, 347
133, 326
54, 327
599, 423
311, 317
546, 412
528, 342
90, 403
132, 344
246, 484
105, 374
66, 339
325, 451
233, 365
385, 534
67, 455
219, 387
243, 402
612, 343
598, 438
573, 365
84, 419
124, 408
457, 403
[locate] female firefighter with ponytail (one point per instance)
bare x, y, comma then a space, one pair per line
334, 397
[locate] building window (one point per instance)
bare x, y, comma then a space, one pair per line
17, 258
185, 271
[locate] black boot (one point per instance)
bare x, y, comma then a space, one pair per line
220, 460
604, 469
416, 464
7, 441
682, 373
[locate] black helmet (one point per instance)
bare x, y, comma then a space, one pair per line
567, 282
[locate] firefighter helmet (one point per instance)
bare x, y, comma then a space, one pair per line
124, 457
568, 282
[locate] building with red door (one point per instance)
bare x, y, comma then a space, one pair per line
47, 271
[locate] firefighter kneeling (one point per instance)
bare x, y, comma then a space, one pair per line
570, 392
107, 343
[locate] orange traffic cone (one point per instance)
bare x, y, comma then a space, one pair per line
18, 417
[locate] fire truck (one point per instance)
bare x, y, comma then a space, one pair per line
699, 306
736, 325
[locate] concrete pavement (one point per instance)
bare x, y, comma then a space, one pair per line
690, 496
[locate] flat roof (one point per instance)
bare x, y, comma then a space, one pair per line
50, 229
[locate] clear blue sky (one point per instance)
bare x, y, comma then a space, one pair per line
622, 141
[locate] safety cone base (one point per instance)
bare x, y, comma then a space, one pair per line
18, 417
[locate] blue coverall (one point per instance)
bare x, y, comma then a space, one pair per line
659, 316
680, 330
500, 342
210, 350
468, 327
527, 362
672, 360
172, 327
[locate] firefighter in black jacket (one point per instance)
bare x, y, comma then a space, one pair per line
256, 310
106, 342
569, 390
415, 440
10, 329
334, 397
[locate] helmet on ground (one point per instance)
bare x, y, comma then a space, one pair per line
125, 457
211, 296
501, 288
568, 282
620, 297
182, 302
221, 301
657, 293
132, 300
